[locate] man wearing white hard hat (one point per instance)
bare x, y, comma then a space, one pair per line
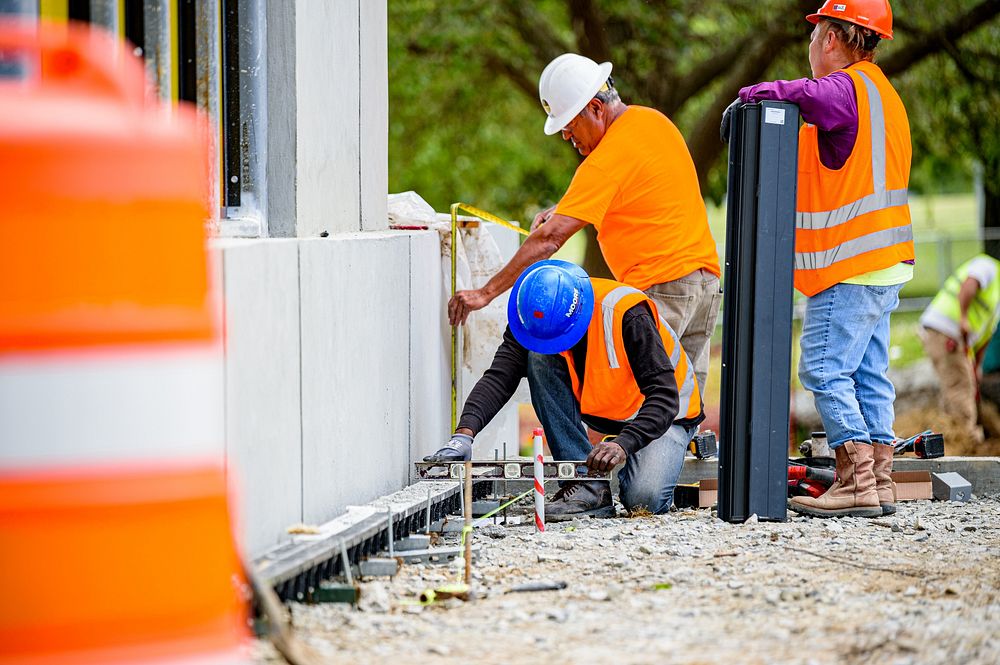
638, 186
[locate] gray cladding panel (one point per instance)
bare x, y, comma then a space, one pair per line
430, 347
355, 342
263, 435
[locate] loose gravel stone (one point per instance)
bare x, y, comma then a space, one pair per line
688, 588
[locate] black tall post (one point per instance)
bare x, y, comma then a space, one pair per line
757, 312
187, 51
230, 108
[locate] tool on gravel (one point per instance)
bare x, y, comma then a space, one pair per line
811, 478
800, 472
925, 445
704, 445
458, 590
529, 587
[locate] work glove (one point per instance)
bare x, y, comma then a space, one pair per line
458, 449
727, 120
605, 456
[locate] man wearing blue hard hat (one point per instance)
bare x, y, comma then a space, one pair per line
621, 370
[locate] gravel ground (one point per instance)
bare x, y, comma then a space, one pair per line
922, 586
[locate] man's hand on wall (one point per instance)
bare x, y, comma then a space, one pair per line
464, 303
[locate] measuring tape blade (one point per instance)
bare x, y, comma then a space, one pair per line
490, 217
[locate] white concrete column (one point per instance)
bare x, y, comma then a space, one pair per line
328, 113
374, 115
327, 116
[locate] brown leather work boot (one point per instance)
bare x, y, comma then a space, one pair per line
883, 481
854, 495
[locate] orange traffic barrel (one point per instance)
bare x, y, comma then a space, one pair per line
116, 529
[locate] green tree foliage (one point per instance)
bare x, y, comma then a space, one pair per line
953, 99
466, 124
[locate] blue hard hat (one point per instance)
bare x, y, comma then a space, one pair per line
550, 306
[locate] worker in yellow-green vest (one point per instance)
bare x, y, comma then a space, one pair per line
956, 327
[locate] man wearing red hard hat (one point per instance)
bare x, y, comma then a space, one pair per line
853, 245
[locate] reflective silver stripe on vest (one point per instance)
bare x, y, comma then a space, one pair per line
685, 390
811, 221
852, 248
879, 199
608, 319
876, 113
675, 356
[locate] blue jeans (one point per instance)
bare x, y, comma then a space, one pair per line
648, 477
845, 356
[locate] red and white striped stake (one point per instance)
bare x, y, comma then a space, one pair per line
539, 482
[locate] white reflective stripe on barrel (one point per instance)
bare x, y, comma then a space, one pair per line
151, 402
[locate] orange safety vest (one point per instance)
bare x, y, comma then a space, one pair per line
855, 219
609, 389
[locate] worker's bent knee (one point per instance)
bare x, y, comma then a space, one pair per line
654, 499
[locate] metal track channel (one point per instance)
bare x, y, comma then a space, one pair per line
296, 568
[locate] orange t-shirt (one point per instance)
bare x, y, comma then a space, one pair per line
639, 189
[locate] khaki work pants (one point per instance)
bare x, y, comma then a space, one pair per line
690, 305
958, 385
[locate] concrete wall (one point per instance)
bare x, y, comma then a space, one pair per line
337, 376
263, 382
337, 348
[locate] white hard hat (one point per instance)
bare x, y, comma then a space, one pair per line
567, 85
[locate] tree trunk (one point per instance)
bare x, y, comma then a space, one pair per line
991, 205
593, 260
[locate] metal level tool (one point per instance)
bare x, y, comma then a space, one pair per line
512, 469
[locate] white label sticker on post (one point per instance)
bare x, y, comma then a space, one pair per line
774, 116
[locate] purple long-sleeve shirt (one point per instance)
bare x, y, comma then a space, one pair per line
830, 103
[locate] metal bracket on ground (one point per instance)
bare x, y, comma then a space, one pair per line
437, 554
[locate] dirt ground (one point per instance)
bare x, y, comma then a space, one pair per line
922, 586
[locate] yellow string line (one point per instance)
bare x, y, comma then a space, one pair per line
468, 529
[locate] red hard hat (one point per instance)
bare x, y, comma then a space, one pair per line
873, 14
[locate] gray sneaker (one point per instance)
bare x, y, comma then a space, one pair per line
579, 499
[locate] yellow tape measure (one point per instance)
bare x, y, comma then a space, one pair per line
487, 216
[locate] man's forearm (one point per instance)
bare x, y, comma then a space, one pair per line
532, 251
496, 386
966, 294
